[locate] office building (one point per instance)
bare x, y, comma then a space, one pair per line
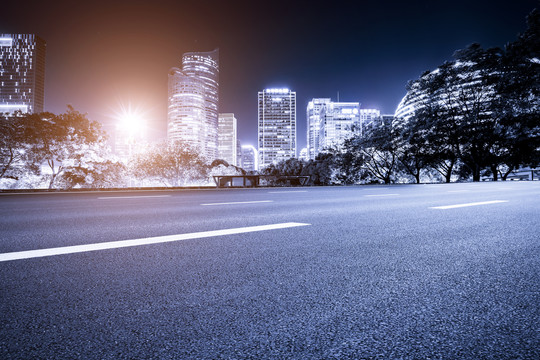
337, 123
313, 125
369, 118
276, 126
250, 158
227, 138
22, 73
193, 102
329, 123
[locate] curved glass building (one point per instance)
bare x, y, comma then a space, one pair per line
193, 102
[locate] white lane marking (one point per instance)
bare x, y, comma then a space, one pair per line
19, 255
458, 191
286, 192
380, 195
377, 188
238, 202
469, 204
131, 197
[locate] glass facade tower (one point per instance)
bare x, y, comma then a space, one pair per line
313, 125
329, 123
22, 73
276, 126
227, 138
193, 102
337, 120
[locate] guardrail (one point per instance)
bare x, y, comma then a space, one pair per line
231, 181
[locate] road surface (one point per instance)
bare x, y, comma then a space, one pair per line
441, 271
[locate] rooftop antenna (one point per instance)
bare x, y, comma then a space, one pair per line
338, 96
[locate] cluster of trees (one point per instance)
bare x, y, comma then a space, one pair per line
481, 110
477, 115
56, 151
69, 151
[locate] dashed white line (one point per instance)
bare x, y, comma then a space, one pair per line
131, 197
468, 204
381, 195
238, 202
286, 192
144, 241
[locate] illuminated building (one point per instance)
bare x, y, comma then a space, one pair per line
330, 123
369, 117
337, 120
313, 125
250, 158
227, 138
451, 96
276, 125
193, 102
22, 73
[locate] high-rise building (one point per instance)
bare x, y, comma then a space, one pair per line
276, 126
22, 73
329, 123
227, 138
193, 102
337, 122
313, 125
368, 118
250, 158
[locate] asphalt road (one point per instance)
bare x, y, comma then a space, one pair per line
367, 272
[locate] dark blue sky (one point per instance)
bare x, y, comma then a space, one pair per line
104, 54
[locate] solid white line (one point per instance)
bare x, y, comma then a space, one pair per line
138, 242
131, 197
469, 204
379, 195
238, 202
286, 192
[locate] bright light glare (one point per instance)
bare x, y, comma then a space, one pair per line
131, 120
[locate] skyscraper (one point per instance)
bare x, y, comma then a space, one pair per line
329, 123
276, 126
313, 125
193, 102
22, 73
250, 158
227, 138
337, 122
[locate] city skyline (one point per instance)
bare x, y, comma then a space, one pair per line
366, 52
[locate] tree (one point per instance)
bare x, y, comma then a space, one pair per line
413, 151
518, 103
13, 147
58, 140
373, 152
93, 167
435, 121
322, 170
171, 164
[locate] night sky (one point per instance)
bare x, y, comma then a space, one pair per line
102, 55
